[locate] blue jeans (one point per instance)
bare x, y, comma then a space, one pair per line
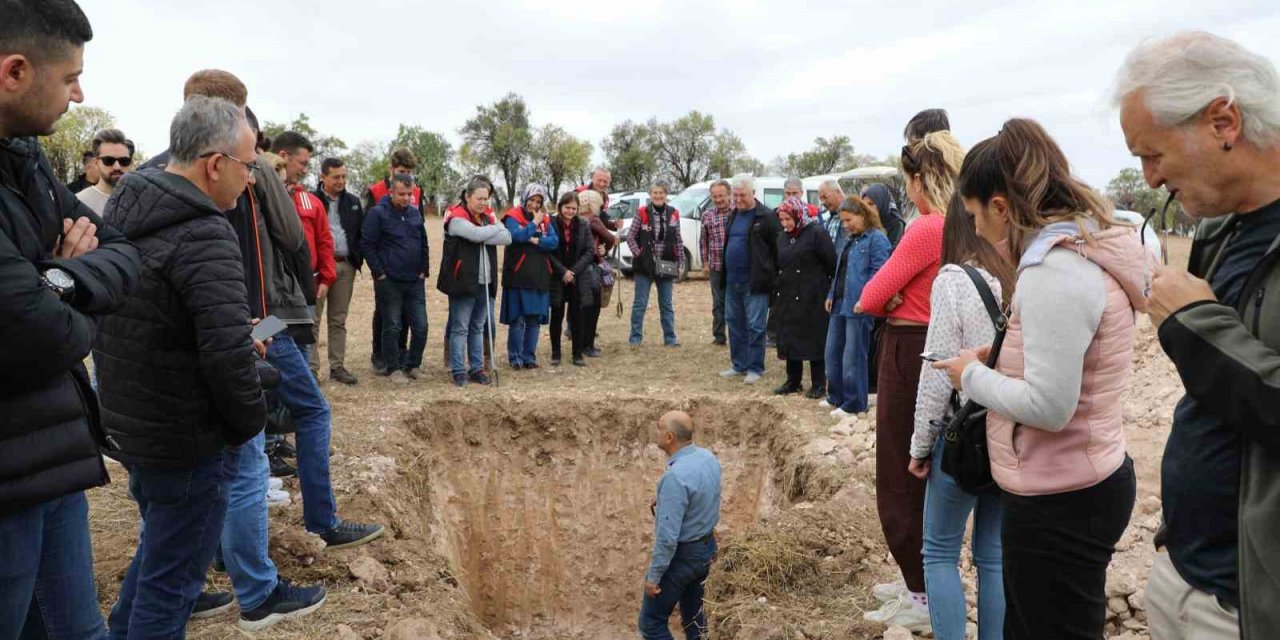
46, 573
244, 534
682, 585
401, 301
301, 394
946, 509
747, 315
522, 340
182, 516
848, 345
466, 332
666, 308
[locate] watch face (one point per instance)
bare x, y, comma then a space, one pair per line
59, 278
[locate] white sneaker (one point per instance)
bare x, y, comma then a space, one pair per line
398, 377
889, 591
903, 612
278, 498
824, 404
275, 484
751, 378
871, 400
731, 373
841, 414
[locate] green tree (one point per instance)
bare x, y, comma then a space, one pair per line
629, 154
729, 157
501, 137
434, 153
685, 147
326, 146
366, 164
559, 156
72, 137
1129, 190
828, 155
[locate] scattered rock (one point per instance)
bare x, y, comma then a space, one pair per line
842, 430
762, 600
822, 446
369, 572
1149, 505
413, 629
1138, 601
1118, 605
1121, 584
343, 632
898, 633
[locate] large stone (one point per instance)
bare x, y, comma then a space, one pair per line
369, 571
898, 633
1138, 601
1149, 505
413, 629
822, 446
1118, 605
1121, 584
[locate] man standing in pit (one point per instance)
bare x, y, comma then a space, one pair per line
686, 511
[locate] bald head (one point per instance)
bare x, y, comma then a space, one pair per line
678, 424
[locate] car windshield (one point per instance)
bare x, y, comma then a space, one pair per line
689, 200
622, 210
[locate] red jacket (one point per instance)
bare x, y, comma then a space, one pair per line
315, 222
380, 189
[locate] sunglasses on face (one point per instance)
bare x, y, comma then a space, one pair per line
110, 161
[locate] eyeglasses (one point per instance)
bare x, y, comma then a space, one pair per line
110, 161
1161, 229
247, 165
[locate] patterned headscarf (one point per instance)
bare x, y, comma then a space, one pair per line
797, 210
531, 191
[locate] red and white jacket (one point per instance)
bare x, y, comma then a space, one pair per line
315, 222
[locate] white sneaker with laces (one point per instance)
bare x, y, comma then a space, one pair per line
841, 414
751, 378
825, 405
889, 591
731, 373
278, 498
275, 484
903, 612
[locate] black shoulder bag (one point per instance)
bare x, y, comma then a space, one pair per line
964, 451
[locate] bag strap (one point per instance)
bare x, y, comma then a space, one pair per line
998, 317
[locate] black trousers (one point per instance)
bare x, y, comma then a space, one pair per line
582, 318
817, 373
405, 321
1056, 552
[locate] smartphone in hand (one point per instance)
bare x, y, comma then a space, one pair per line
934, 356
267, 328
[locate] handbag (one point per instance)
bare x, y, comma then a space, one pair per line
666, 268
964, 449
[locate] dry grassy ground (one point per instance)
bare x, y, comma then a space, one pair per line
494, 497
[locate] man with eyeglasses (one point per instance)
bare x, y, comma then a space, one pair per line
114, 155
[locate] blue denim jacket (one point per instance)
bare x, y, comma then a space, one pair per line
870, 251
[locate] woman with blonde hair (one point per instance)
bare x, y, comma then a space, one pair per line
590, 205
900, 291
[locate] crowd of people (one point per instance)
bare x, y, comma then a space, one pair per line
1002, 281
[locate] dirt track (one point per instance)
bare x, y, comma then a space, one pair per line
522, 510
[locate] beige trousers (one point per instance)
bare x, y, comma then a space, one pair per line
337, 303
1177, 611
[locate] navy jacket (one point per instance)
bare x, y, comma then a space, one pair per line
394, 243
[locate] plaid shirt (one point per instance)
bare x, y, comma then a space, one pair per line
832, 224
671, 234
712, 244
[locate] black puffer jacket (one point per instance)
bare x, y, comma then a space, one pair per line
49, 431
176, 363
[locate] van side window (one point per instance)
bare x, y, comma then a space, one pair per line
813, 198
773, 198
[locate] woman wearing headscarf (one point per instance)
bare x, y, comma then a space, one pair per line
576, 285
878, 198
806, 262
526, 276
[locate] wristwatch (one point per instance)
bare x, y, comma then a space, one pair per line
60, 282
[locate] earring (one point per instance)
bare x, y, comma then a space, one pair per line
1226, 146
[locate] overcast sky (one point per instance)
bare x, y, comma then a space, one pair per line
778, 73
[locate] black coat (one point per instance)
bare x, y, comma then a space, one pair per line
762, 247
176, 363
351, 214
806, 265
576, 253
49, 429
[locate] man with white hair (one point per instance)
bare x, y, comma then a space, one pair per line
750, 271
831, 195
1203, 115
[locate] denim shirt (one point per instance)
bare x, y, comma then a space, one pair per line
688, 505
870, 251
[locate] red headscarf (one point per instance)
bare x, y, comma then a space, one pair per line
797, 210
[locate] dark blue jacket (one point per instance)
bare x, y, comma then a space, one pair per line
394, 242
869, 252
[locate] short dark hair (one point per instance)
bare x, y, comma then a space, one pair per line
216, 83
290, 142
403, 179
925, 123
403, 157
330, 164
42, 29
87, 155
111, 136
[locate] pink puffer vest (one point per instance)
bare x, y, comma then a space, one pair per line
1029, 461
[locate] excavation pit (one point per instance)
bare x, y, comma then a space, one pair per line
543, 505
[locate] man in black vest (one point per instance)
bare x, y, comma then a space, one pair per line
61, 269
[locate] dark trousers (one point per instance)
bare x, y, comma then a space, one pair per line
590, 323
900, 495
398, 301
1056, 552
680, 585
717, 308
46, 572
182, 516
569, 307
376, 358
817, 373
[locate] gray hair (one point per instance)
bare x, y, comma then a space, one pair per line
202, 125
721, 183
676, 425
832, 184
661, 184
747, 182
793, 182
1180, 75
604, 170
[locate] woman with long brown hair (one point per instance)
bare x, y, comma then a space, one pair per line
861, 250
930, 166
958, 320
1054, 427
